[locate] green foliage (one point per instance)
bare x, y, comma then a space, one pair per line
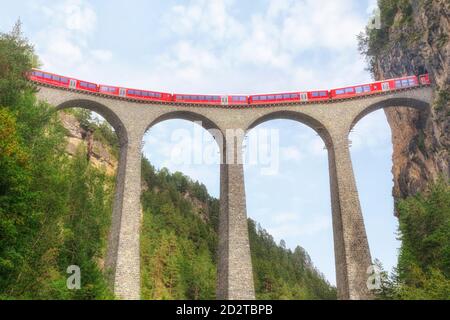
16, 58
178, 248
53, 211
425, 230
281, 274
373, 42
423, 270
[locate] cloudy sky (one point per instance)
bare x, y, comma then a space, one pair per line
230, 46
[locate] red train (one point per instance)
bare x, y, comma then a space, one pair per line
302, 96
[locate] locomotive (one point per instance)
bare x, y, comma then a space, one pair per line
235, 100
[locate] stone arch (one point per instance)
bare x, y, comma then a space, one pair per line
185, 115
109, 115
420, 105
194, 117
113, 119
303, 118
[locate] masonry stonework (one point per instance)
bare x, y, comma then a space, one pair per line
332, 121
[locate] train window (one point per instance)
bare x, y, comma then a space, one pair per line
366, 88
279, 97
243, 98
404, 83
255, 98
359, 89
56, 78
286, 96
83, 84
294, 96
39, 74
235, 98
324, 93
398, 84
47, 76
349, 90
270, 97
412, 82
315, 94
340, 91
263, 98
216, 98
64, 80
92, 86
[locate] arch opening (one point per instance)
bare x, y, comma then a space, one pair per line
292, 201
101, 110
94, 139
374, 148
422, 106
180, 190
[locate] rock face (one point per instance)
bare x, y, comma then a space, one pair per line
417, 44
98, 154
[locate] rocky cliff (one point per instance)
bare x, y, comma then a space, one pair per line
100, 154
414, 39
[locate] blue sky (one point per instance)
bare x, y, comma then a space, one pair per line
230, 46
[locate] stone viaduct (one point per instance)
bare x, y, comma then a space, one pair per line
331, 120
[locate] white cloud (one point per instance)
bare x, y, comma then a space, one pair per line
79, 16
65, 44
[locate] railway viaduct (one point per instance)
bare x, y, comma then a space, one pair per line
331, 120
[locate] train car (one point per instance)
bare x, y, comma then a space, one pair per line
235, 100
111, 90
86, 86
224, 100
50, 78
61, 81
148, 95
319, 95
370, 88
274, 98
402, 83
363, 89
424, 79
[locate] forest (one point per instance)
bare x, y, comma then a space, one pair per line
55, 211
